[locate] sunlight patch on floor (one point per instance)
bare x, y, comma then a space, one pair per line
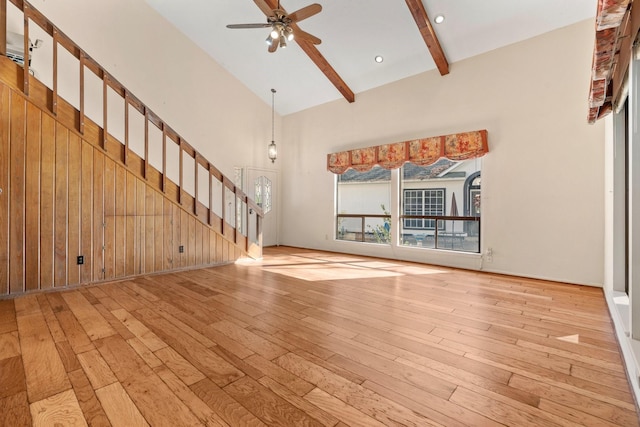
316, 266
330, 271
571, 338
289, 260
329, 257
400, 268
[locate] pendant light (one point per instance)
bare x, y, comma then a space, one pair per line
273, 150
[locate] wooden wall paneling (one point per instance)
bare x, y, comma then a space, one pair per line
86, 214
63, 195
11, 75
216, 223
109, 210
219, 254
120, 221
176, 231
130, 225
154, 178
40, 94
198, 245
98, 215
191, 245
167, 233
171, 190
66, 114
158, 231
134, 162
47, 200
225, 251
114, 148
184, 238
5, 115
140, 226
242, 243
32, 199
149, 228
212, 247
61, 199
206, 247
74, 211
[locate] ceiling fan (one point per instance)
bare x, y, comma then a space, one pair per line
283, 26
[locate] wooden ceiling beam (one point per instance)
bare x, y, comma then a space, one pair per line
429, 35
314, 54
323, 65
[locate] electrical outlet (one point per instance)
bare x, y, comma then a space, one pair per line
181, 249
80, 259
489, 255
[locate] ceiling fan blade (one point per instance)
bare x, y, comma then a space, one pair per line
264, 7
249, 26
274, 45
305, 12
303, 35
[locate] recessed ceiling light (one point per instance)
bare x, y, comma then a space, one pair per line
439, 19
379, 59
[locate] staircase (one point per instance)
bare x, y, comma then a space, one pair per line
80, 206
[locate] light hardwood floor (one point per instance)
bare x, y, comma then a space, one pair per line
313, 338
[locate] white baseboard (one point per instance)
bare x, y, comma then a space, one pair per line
618, 303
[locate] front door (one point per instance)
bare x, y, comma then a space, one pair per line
262, 188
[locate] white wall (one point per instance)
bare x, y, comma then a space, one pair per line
542, 181
210, 108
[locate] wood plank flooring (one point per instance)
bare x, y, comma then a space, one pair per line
306, 338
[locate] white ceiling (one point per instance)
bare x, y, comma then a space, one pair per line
353, 32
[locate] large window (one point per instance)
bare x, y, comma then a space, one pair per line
364, 199
437, 206
440, 205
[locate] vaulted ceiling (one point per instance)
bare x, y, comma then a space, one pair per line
353, 32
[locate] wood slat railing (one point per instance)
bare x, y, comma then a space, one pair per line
225, 223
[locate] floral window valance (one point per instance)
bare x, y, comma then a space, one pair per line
423, 152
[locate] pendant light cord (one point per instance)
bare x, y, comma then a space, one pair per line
273, 115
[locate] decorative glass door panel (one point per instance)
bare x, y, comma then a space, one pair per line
263, 192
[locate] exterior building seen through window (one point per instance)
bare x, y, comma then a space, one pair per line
439, 205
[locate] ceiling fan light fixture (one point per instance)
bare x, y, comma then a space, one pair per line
282, 29
439, 19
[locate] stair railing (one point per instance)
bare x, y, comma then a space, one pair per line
232, 218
